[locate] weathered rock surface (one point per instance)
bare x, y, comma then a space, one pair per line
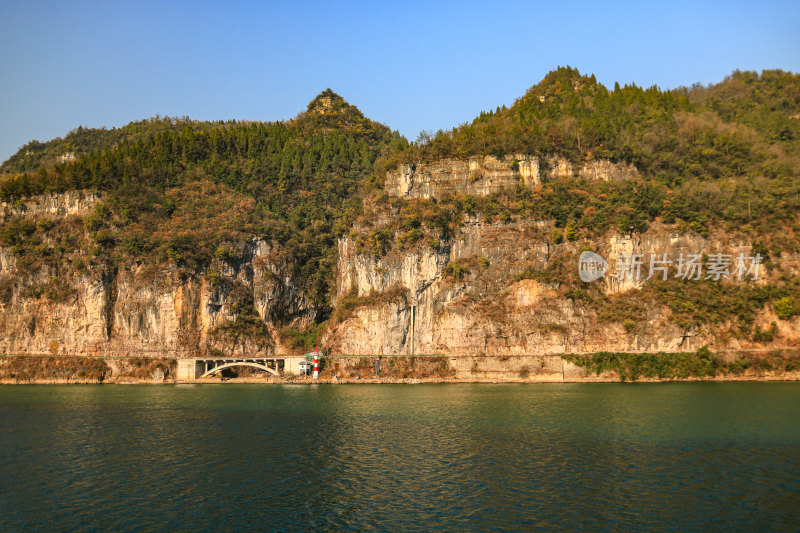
604, 170
492, 311
52, 205
482, 176
479, 176
413, 301
136, 310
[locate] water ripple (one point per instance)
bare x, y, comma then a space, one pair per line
393, 458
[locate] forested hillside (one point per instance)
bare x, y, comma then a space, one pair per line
719, 162
82, 141
183, 196
185, 191
724, 154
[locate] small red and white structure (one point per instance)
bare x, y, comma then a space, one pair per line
315, 353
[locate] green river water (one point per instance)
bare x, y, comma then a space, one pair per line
450, 457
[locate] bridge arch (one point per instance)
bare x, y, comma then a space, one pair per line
222, 367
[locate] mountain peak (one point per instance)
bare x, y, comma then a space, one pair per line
329, 111
327, 102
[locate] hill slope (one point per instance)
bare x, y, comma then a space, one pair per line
220, 237
187, 192
725, 154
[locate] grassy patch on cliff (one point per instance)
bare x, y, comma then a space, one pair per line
351, 301
700, 364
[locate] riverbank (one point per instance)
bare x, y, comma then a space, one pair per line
606, 367
307, 380
67, 369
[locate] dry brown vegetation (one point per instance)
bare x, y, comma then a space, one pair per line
411, 367
30, 368
146, 368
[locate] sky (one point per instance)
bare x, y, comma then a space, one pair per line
410, 65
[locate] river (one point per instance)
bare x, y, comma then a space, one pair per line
450, 457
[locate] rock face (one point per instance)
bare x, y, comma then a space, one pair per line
478, 176
604, 170
131, 314
484, 291
494, 309
51, 205
482, 176
140, 311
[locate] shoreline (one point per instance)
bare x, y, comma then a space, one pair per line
601, 367
786, 378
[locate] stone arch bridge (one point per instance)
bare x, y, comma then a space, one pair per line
204, 367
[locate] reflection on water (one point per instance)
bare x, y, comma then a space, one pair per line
398, 457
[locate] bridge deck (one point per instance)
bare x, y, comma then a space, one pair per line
199, 367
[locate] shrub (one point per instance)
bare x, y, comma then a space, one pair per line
760, 335
226, 253
44, 224
302, 339
380, 242
469, 204
786, 308
632, 366
572, 230
456, 270
214, 277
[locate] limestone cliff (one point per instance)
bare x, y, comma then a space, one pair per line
493, 307
488, 289
71, 203
482, 176
142, 310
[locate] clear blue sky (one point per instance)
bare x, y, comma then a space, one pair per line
411, 65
